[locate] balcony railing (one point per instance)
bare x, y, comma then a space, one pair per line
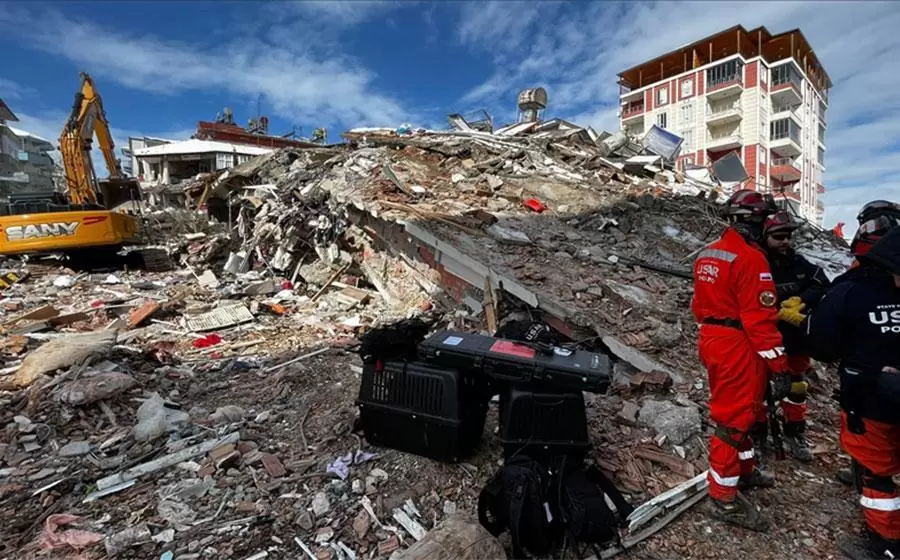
792, 134
722, 139
725, 81
632, 109
717, 110
777, 162
783, 109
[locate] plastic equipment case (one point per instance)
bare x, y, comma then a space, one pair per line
538, 421
420, 409
514, 361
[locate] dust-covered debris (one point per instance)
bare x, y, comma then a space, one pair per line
209, 411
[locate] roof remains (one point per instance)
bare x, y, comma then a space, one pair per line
732, 41
194, 146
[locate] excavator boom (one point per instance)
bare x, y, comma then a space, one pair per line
87, 218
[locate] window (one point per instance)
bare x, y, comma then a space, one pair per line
731, 71
762, 157
687, 88
763, 73
242, 159
688, 144
687, 113
662, 120
785, 128
662, 96
787, 73
224, 161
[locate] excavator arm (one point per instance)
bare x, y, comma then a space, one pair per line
86, 119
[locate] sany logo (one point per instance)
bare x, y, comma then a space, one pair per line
37, 231
885, 317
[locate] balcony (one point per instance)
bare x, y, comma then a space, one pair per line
820, 188
785, 144
724, 140
785, 170
784, 111
721, 114
725, 87
632, 112
627, 94
786, 93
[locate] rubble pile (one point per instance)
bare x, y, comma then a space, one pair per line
210, 412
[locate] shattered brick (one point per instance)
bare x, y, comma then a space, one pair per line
273, 466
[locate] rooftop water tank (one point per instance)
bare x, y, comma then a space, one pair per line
533, 99
531, 102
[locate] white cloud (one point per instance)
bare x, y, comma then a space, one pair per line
578, 53
10, 90
340, 13
294, 82
49, 125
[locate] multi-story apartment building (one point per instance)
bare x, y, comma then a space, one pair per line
759, 95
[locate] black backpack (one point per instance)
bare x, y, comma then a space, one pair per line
517, 500
583, 509
544, 506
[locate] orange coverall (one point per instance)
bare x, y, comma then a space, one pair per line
735, 304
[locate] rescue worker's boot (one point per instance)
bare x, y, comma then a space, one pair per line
868, 547
738, 512
758, 479
795, 435
851, 476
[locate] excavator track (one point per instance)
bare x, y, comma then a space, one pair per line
151, 259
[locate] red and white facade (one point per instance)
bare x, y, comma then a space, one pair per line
770, 112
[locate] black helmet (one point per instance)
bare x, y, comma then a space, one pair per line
870, 230
886, 252
750, 205
878, 208
780, 221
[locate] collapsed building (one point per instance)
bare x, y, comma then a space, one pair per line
311, 246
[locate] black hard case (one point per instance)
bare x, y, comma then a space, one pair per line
540, 421
417, 408
517, 362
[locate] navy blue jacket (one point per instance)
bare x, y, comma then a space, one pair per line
795, 276
858, 325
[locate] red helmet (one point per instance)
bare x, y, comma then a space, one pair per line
750, 205
780, 221
871, 230
878, 208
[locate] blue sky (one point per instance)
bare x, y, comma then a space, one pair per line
161, 66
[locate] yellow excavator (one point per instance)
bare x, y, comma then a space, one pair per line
95, 218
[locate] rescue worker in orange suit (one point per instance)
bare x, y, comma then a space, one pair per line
875, 219
735, 306
797, 282
858, 325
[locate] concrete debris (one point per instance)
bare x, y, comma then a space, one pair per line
75, 449
321, 505
128, 538
93, 388
677, 423
456, 538
214, 403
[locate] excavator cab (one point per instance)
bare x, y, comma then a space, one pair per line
96, 218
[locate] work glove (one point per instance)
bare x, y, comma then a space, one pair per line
781, 385
791, 311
